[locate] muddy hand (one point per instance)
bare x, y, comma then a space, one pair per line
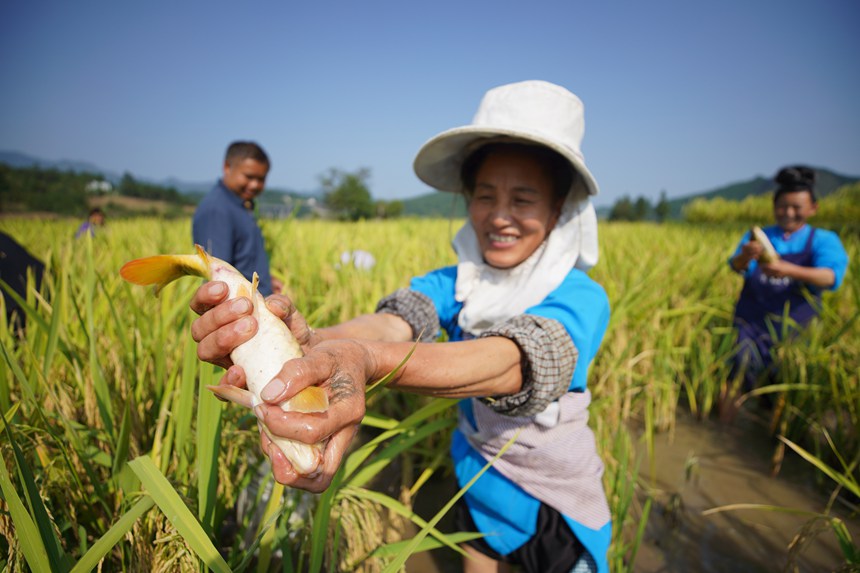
221, 326
340, 368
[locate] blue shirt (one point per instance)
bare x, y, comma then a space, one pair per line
582, 307
86, 228
227, 230
827, 249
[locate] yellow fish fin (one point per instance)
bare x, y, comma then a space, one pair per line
163, 269
311, 399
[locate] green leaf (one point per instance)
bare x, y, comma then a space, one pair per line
54, 331
842, 480
53, 547
178, 513
28, 534
414, 420
400, 509
183, 408
209, 411
427, 544
382, 382
397, 446
90, 560
414, 543
121, 447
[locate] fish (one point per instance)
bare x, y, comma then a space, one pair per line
768, 253
261, 357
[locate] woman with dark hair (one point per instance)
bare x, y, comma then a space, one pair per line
808, 260
523, 323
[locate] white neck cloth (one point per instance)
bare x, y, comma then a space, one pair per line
490, 295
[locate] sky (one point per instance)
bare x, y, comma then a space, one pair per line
680, 97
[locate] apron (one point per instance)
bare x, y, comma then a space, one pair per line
760, 308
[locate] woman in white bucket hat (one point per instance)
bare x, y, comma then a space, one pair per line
523, 323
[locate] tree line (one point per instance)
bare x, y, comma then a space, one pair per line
640, 209
346, 195
25, 189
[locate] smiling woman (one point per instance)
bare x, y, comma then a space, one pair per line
523, 323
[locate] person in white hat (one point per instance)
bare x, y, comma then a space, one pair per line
523, 322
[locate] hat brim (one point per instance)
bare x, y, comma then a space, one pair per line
440, 159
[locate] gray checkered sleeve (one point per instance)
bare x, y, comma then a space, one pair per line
548, 360
416, 309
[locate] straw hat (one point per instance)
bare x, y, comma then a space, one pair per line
532, 112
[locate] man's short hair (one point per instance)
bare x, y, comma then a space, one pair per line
241, 150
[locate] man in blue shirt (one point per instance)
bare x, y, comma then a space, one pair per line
224, 221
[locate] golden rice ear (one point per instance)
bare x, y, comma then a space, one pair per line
311, 399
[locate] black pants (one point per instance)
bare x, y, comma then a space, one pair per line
553, 549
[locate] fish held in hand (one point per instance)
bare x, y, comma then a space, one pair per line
261, 357
768, 253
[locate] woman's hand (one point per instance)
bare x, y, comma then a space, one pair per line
281, 306
778, 269
750, 251
340, 367
223, 324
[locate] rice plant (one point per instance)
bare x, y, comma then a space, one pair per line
116, 457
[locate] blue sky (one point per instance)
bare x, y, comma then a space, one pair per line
680, 96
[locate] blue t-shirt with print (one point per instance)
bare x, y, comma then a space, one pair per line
827, 250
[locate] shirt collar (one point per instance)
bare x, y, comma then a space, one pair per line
235, 199
787, 236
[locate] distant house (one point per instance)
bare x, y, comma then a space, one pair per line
318, 209
98, 187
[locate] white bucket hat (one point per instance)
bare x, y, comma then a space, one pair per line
532, 111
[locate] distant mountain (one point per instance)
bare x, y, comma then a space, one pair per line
198, 188
16, 159
201, 187
435, 204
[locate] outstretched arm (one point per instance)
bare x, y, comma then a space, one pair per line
818, 276
483, 367
345, 366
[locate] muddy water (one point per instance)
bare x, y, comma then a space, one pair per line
704, 465
700, 466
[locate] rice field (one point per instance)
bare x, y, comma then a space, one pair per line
117, 458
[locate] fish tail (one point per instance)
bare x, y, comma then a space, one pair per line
161, 270
311, 399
